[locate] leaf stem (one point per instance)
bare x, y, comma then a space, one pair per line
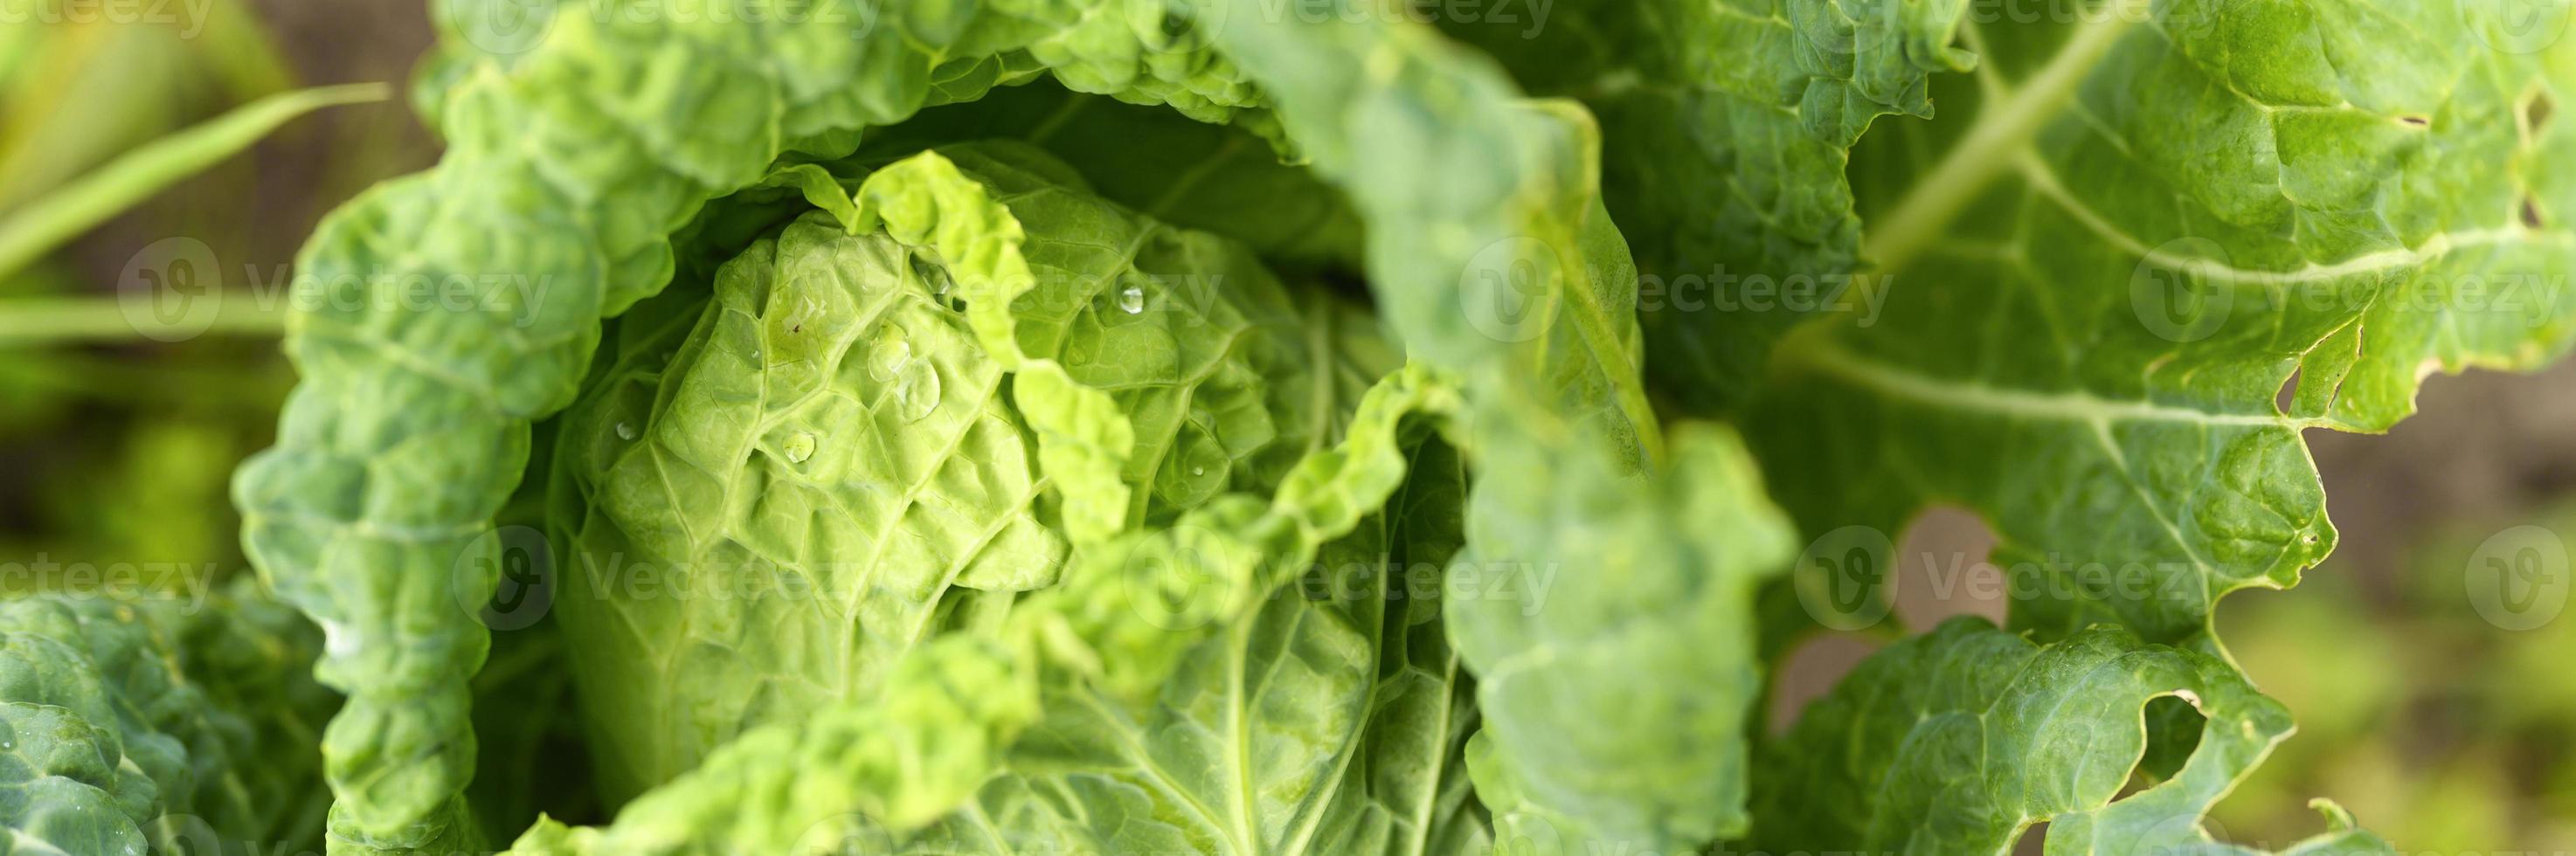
28, 321
39, 226
1989, 145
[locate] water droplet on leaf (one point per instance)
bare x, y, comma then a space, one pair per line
888, 352
1132, 300
916, 390
799, 447
625, 431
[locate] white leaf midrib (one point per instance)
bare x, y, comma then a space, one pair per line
1989, 146
1824, 355
2042, 178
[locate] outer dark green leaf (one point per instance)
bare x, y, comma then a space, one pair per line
1615, 688
1491, 254
160, 725
1958, 740
2126, 236
1725, 134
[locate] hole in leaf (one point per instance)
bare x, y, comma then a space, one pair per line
2289, 394
2173, 731
1810, 671
2033, 841
2417, 121
2530, 213
2536, 110
1944, 568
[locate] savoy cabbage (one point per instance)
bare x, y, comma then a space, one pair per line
1235, 426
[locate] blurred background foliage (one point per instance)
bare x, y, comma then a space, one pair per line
2449, 733
116, 449
2437, 728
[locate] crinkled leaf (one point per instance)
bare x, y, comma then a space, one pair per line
158, 725
786, 490
572, 157
936, 723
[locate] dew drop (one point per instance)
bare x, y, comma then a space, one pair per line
888, 352
1198, 471
799, 447
625, 431
916, 390
1132, 300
